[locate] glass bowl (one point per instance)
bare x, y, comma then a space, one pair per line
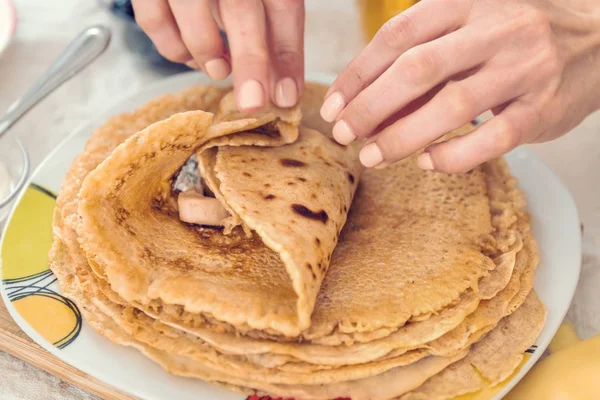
14, 171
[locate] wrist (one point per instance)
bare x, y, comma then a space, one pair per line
588, 55
580, 30
576, 28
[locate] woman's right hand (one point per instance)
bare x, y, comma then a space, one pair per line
266, 43
441, 63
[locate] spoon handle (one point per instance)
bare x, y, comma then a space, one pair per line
88, 45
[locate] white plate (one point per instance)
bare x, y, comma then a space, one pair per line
55, 324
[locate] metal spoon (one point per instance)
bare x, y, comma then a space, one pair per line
84, 49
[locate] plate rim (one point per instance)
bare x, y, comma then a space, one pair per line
545, 342
117, 106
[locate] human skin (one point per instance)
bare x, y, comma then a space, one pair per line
266, 43
435, 67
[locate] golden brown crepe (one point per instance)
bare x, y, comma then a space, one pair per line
294, 199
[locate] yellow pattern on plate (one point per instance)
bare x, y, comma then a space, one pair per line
29, 235
25, 273
38, 308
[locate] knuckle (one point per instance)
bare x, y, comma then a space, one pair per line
203, 48
535, 23
530, 23
445, 160
253, 58
551, 63
550, 112
239, 4
539, 22
176, 58
287, 55
461, 104
357, 75
283, 5
558, 111
421, 65
506, 136
397, 32
359, 114
392, 146
177, 54
151, 21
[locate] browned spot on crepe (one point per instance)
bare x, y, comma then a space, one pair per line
307, 213
290, 162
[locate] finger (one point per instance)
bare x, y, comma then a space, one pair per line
494, 138
285, 20
409, 109
423, 22
414, 73
456, 104
245, 25
214, 9
157, 21
200, 33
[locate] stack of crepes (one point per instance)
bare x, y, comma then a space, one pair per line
410, 285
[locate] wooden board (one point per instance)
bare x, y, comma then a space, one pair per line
14, 341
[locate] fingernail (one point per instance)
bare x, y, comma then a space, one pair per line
286, 93
424, 161
332, 107
370, 155
192, 64
251, 95
343, 133
217, 68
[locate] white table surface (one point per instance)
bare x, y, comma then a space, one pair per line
333, 38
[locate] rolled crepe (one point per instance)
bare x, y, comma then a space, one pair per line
288, 191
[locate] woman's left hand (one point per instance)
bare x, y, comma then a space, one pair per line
266, 43
441, 63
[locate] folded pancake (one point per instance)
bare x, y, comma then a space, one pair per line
292, 202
